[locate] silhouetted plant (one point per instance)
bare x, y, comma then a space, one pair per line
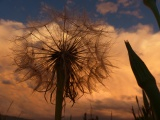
85, 116
145, 79
145, 112
111, 116
70, 117
91, 118
143, 76
63, 55
153, 7
5, 115
97, 118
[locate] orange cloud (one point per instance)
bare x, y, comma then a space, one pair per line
121, 88
107, 7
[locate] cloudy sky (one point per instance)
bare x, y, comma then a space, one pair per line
127, 19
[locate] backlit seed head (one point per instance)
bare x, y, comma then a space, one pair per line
68, 41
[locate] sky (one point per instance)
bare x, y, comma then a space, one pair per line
126, 19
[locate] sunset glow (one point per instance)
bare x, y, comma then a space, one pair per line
118, 94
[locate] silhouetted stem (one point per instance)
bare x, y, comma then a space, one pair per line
145, 101
152, 5
59, 92
145, 79
156, 14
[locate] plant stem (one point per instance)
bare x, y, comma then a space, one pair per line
156, 14
152, 5
59, 92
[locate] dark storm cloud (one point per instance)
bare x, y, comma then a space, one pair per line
116, 106
128, 98
111, 104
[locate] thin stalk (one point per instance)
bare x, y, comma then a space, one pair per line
156, 14
111, 115
59, 92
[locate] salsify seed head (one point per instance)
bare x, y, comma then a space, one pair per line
66, 41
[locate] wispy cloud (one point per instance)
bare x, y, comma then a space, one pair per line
118, 7
132, 13
69, 1
107, 7
125, 3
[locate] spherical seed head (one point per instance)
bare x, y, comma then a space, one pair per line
71, 42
